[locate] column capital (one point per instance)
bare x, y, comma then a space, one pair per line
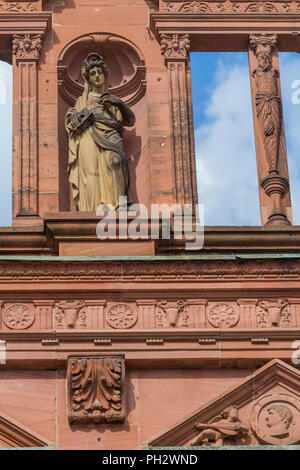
175, 46
263, 42
27, 46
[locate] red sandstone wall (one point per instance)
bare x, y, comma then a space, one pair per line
156, 400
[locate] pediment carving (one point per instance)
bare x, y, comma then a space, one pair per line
263, 410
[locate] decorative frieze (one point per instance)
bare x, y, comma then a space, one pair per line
121, 315
70, 314
274, 314
18, 317
18, 7
96, 389
171, 314
231, 6
223, 315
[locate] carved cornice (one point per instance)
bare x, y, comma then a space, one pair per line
27, 46
175, 46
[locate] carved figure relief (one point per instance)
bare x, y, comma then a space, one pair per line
98, 168
275, 419
121, 316
70, 314
96, 389
222, 315
171, 314
276, 313
226, 425
175, 46
27, 46
18, 317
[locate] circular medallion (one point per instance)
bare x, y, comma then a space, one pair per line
275, 419
18, 317
223, 316
121, 316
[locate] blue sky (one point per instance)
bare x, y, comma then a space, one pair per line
225, 153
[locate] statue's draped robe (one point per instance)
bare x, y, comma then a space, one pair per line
97, 167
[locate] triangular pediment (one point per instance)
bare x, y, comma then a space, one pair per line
267, 404
14, 434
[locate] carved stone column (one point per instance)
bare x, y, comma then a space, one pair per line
175, 48
26, 53
270, 144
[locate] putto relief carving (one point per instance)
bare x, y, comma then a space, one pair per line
70, 314
274, 313
171, 314
27, 46
275, 419
121, 315
175, 46
223, 315
18, 317
225, 426
96, 389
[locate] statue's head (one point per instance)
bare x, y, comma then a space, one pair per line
231, 413
279, 415
95, 71
264, 59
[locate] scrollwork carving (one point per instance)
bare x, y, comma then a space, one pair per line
18, 6
96, 389
195, 7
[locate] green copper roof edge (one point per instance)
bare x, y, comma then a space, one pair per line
153, 258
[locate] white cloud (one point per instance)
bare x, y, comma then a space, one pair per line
226, 162
226, 165
5, 144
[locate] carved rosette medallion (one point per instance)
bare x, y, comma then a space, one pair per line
275, 419
27, 46
175, 46
274, 313
70, 314
171, 314
223, 315
96, 389
121, 316
18, 317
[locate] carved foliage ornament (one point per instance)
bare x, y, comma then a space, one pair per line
18, 317
27, 46
175, 46
96, 389
18, 6
223, 315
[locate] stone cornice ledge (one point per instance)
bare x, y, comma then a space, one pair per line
19, 22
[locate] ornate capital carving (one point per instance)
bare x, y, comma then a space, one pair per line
96, 389
263, 42
27, 46
175, 46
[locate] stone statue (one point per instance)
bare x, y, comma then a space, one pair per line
98, 167
227, 425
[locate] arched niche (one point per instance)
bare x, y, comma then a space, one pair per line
127, 80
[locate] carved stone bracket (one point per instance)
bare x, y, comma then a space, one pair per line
96, 389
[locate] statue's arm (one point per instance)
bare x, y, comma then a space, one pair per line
77, 122
128, 117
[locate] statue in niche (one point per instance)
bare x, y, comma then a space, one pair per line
98, 167
226, 425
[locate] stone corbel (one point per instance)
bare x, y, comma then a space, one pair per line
175, 49
96, 387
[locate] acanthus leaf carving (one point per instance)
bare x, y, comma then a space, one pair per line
195, 7
27, 46
175, 46
96, 389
